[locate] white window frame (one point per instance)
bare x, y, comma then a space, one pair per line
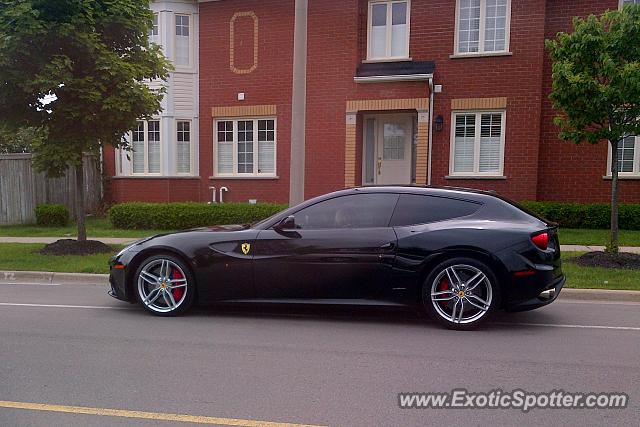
621, 3
636, 161
476, 144
155, 38
389, 30
255, 173
191, 41
146, 149
481, 39
191, 147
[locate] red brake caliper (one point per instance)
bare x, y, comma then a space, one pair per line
443, 286
177, 292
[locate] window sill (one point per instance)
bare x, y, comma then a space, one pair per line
486, 177
479, 55
155, 177
374, 61
623, 177
243, 177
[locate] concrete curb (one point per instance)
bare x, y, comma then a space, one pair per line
48, 278
599, 295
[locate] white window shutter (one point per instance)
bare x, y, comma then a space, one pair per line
378, 31
138, 154
183, 152
153, 134
399, 29
490, 140
465, 129
183, 31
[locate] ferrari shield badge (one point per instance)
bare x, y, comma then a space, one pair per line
246, 247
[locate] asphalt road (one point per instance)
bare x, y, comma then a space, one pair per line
73, 345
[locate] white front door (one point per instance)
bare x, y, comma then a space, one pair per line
394, 138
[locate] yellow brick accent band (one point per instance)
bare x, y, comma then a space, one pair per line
422, 153
232, 49
244, 111
354, 106
350, 157
479, 103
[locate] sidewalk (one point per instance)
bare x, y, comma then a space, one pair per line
583, 248
127, 240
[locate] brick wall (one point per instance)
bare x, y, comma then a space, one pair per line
537, 164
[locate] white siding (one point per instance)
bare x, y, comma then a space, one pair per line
181, 98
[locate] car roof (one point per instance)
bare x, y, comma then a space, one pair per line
455, 192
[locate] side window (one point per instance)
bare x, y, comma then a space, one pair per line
415, 209
355, 211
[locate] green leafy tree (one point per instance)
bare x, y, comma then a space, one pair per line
21, 140
596, 86
77, 68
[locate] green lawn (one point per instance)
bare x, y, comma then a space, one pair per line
598, 278
572, 236
23, 257
96, 227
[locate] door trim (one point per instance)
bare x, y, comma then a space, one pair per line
375, 154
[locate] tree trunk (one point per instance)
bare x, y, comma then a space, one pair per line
612, 247
80, 208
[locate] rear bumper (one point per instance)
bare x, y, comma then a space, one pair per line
546, 296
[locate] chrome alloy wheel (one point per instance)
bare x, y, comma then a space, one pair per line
162, 285
461, 294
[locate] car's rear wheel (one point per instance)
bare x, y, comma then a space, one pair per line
164, 285
461, 293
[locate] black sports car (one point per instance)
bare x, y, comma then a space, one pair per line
460, 254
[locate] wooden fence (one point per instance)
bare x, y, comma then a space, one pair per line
22, 188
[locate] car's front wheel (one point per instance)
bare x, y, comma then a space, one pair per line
461, 293
164, 285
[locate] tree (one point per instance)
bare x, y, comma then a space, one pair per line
77, 68
596, 86
21, 140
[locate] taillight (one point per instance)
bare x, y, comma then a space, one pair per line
541, 240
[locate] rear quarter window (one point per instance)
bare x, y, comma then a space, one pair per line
417, 209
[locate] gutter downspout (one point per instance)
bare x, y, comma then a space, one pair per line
430, 131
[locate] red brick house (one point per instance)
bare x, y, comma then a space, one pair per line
442, 92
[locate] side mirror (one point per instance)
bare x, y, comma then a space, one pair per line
287, 223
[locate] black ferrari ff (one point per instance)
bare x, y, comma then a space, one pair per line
460, 254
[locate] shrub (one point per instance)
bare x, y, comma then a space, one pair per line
176, 216
589, 215
52, 215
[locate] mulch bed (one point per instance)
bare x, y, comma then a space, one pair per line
73, 247
602, 259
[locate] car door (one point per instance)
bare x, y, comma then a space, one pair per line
340, 248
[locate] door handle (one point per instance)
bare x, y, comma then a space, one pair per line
389, 245
379, 165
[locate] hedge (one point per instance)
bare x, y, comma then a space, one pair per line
590, 215
52, 215
177, 216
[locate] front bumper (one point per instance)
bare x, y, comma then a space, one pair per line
545, 297
118, 278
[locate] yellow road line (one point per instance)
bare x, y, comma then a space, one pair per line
105, 412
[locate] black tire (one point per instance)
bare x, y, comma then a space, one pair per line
468, 309
176, 271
